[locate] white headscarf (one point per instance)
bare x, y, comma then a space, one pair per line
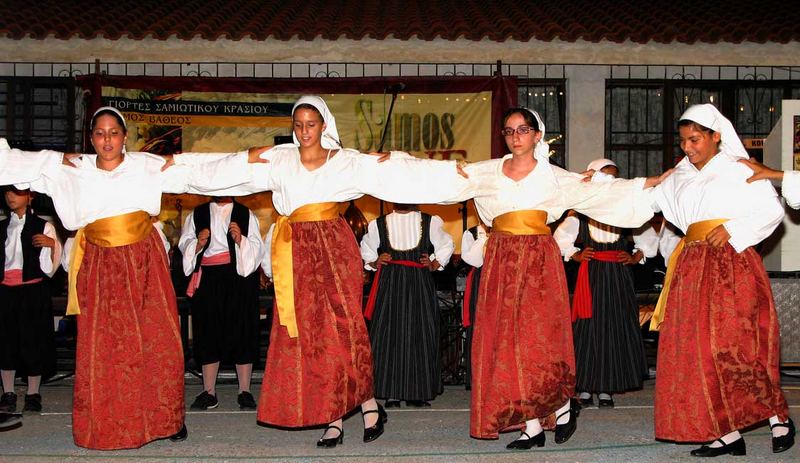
598, 164
709, 116
542, 149
121, 117
330, 136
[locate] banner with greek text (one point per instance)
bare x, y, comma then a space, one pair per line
436, 118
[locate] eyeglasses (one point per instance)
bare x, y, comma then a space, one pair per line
522, 130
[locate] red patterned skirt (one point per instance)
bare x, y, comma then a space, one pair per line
326, 371
523, 365
719, 347
129, 361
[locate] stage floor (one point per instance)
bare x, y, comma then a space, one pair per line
438, 434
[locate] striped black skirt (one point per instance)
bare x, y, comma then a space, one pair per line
404, 335
609, 354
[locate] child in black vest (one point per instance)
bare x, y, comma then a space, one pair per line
222, 249
30, 255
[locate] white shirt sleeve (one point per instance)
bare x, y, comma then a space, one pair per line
27, 167
472, 249
218, 174
370, 243
443, 246
160, 229
791, 188
646, 240
765, 214
433, 181
621, 203
266, 261
669, 241
48, 261
188, 245
565, 236
65, 253
249, 252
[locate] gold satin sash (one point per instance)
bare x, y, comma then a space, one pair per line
528, 222
696, 232
110, 232
282, 271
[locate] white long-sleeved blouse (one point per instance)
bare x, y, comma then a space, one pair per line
567, 233
622, 203
84, 193
348, 175
405, 231
472, 248
249, 252
720, 191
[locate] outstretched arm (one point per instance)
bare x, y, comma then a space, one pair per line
29, 167
406, 179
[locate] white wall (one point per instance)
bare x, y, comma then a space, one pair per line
586, 89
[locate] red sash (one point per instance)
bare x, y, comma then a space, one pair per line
373, 292
582, 299
217, 259
14, 278
465, 319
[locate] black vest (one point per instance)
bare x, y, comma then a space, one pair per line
34, 225
202, 219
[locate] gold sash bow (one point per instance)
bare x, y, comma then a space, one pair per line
110, 232
528, 222
282, 271
696, 232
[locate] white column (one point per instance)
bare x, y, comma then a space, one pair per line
586, 114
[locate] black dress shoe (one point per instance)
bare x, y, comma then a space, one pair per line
373, 432
783, 443
180, 435
418, 403
527, 444
586, 402
566, 430
605, 403
10, 420
392, 404
331, 441
736, 447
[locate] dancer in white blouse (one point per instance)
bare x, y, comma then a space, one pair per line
516, 382
719, 348
131, 392
403, 248
319, 365
609, 353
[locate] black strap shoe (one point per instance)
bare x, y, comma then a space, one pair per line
331, 441
566, 430
736, 447
180, 435
527, 444
10, 420
373, 432
783, 443
392, 404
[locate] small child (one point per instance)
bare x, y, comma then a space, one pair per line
30, 255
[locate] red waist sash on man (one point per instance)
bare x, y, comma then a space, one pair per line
582, 299
373, 292
208, 261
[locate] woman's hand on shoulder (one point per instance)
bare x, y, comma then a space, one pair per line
67, 159
254, 155
657, 179
760, 171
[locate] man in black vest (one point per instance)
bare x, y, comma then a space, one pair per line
222, 248
30, 254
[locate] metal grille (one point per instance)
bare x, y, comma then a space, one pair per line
643, 104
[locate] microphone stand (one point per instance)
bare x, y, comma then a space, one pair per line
394, 89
